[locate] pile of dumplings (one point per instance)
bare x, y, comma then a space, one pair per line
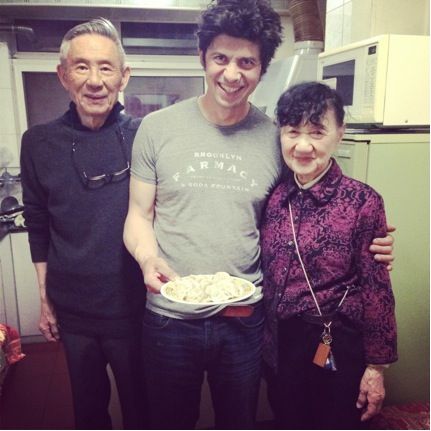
206, 289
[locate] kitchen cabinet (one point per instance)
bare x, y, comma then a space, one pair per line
19, 290
8, 310
26, 287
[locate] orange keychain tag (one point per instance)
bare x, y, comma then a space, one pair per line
321, 354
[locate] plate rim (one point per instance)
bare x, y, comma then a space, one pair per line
230, 301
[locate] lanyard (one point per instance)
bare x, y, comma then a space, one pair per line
323, 356
305, 272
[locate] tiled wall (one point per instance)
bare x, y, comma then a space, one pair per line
8, 131
337, 18
349, 21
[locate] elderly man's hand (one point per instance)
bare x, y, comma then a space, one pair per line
371, 392
48, 321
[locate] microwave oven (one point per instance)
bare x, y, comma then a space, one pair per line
384, 80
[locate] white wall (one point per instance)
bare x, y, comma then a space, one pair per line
353, 20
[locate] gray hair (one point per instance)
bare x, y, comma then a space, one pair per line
101, 26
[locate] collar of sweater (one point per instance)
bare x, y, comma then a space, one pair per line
72, 117
322, 191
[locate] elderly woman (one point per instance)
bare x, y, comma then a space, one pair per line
330, 328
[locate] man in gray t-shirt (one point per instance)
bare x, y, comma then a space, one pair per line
211, 188
201, 172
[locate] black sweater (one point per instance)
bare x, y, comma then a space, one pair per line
92, 280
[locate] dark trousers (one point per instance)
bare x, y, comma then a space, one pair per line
177, 353
306, 396
87, 359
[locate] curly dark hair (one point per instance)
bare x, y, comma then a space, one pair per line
254, 20
308, 102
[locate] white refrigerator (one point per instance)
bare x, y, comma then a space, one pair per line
397, 166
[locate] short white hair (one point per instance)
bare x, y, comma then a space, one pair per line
101, 26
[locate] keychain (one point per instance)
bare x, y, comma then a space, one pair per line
323, 356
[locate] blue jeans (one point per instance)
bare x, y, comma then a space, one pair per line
176, 355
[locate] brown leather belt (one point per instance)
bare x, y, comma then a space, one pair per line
237, 311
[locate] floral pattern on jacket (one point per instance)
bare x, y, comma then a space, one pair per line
335, 221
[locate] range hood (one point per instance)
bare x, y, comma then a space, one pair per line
282, 74
299, 67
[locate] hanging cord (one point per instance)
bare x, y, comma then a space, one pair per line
305, 272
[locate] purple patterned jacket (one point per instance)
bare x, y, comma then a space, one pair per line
335, 222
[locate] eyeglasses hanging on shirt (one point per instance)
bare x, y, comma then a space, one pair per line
97, 181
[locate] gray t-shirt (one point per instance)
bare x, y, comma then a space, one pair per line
212, 184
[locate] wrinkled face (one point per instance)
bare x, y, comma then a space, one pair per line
307, 148
93, 75
233, 70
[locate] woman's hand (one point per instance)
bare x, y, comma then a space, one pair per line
371, 392
384, 247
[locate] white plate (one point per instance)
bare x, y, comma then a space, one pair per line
250, 290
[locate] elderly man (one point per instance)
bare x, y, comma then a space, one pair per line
75, 178
201, 172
